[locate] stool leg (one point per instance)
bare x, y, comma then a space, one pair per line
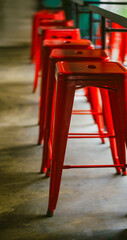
95, 105
48, 115
43, 92
37, 69
63, 109
110, 127
50, 137
37, 62
122, 97
90, 101
33, 41
118, 127
36, 36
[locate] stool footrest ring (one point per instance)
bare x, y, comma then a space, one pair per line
94, 166
90, 135
86, 112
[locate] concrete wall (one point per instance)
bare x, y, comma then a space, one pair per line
15, 21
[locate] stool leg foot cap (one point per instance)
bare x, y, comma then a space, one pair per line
49, 213
124, 173
43, 170
118, 171
103, 140
40, 142
47, 173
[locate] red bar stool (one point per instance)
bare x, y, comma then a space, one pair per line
69, 75
38, 16
77, 55
49, 45
51, 33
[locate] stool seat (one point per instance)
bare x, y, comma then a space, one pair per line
80, 44
95, 54
59, 32
107, 70
41, 29
50, 14
52, 22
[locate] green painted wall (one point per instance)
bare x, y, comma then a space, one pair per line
51, 3
84, 22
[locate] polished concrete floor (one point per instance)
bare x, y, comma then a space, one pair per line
92, 202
